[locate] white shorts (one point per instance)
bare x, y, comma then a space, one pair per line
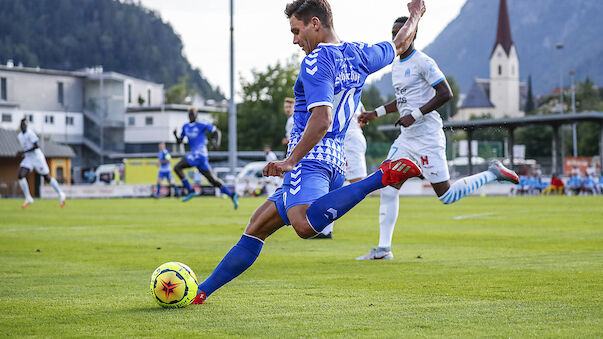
37, 162
430, 154
354, 147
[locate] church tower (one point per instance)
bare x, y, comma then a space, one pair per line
504, 69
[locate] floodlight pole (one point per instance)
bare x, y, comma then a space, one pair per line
232, 111
574, 137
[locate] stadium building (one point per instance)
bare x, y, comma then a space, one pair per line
103, 117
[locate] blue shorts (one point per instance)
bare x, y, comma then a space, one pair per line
198, 160
165, 175
308, 181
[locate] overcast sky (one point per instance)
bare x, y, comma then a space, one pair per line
262, 35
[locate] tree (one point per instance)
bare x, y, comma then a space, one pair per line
449, 109
260, 117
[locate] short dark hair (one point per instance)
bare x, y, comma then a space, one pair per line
192, 110
401, 20
307, 9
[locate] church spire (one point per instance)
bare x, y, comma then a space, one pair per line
503, 32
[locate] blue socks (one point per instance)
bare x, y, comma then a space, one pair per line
226, 191
158, 190
236, 261
335, 204
188, 186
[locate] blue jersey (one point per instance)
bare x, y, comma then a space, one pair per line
333, 75
195, 132
162, 156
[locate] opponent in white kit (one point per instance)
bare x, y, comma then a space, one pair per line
33, 159
420, 88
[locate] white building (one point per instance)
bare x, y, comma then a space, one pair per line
148, 126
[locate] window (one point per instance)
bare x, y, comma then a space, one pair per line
148, 121
499, 69
49, 119
3, 88
29, 117
60, 94
149, 97
69, 120
7, 117
129, 93
131, 121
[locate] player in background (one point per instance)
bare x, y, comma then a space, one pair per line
194, 131
354, 148
270, 183
165, 169
421, 88
327, 91
33, 160
289, 106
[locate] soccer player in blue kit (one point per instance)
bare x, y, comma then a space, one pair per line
165, 169
195, 132
327, 92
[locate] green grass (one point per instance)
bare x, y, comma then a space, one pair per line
520, 267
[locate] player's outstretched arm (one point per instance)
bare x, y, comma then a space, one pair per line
178, 139
217, 138
406, 35
368, 116
316, 129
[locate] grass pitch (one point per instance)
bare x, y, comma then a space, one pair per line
497, 267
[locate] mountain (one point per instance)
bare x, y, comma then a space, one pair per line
120, 35
463, 48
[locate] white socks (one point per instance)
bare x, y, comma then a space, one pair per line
328, 229
25, 188
388, 214
466, 186
55, 185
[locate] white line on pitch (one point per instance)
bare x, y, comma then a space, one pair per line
459, 217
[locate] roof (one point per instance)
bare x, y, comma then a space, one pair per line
9, 146
177, 108
39, 70
542, 119
479, 95
503, 31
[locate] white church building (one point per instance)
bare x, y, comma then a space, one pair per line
502, 95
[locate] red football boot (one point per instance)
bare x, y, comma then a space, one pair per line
199, 299
396, 172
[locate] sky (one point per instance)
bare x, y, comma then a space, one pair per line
262, 34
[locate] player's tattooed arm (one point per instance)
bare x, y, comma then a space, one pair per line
35, 146
178, 139
406, 35
367, 116
316, 128
443, 94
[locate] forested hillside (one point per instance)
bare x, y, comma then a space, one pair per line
72, 34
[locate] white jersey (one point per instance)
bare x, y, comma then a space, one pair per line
271, 156
289, 127
27, 140
413, 78
354, 126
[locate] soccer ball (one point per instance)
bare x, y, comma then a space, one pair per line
173, 284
